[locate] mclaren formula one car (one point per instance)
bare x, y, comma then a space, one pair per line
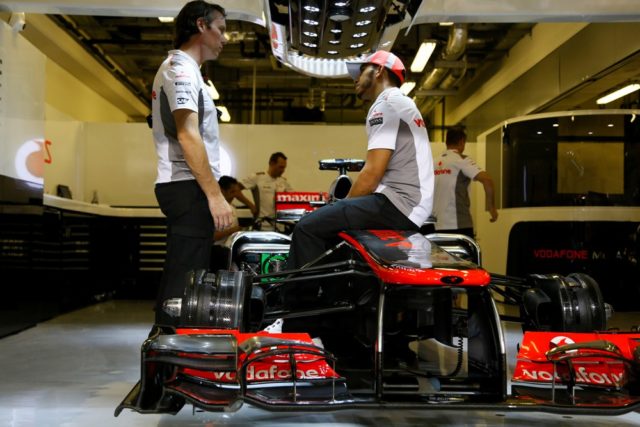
393, 319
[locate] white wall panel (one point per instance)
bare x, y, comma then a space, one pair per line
67, 156
21, 107
73, 98
120, 164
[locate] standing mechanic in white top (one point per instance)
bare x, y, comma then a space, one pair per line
394, 190
263, 187
453, 173
185, 132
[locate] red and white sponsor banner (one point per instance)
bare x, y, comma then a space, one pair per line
532, 365
273, 368
299, 199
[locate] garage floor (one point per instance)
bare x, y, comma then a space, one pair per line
74, 370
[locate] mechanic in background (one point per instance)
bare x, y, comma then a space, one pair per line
231, 189
185, 132
264, 186
220, 254
394, 190
453, 173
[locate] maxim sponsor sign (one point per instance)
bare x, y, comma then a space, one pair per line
298, 197
299, 200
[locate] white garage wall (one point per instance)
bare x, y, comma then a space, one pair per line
67, 97
68, 157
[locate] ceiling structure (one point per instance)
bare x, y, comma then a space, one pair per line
132, 48
130, 42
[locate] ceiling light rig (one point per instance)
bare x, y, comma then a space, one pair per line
334, 28
315, 37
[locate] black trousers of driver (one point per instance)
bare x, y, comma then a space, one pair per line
189, 239
318, 231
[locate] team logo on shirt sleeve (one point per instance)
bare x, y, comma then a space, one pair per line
440, 170
376, 118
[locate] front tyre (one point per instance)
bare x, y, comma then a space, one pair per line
571, 303
220, 301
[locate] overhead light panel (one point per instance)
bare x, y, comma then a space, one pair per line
212, 90
618, 93
407, 87
224, 116
422, 57
165, 19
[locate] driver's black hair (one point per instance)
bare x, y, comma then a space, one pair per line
225, 182
395, 80
455, 135
277, 155
186, 21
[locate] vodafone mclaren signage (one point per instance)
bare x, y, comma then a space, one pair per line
533, 366
274, 372
571, 254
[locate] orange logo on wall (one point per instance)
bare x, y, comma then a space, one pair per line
31, 158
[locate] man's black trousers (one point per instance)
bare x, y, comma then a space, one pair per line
318, 231
189, 238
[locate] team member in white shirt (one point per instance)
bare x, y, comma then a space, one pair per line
263, 187
453, 173
394, 190
185, 132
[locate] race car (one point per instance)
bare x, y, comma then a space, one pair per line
385, 318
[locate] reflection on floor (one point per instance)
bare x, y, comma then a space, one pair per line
74, 369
